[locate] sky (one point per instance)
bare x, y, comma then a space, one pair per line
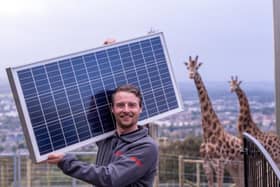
232, 37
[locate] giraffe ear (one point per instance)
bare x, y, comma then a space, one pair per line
199, 64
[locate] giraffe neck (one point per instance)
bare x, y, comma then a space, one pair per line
245, 121
210, 122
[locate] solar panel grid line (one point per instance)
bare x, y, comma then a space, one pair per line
114, 74
144, 111
64, 102
37, 80
171, 72
97, 112
151, 108
150, 83
55, 105
83, 101
48, 133
92, 95
158, 73
68, 141
155, 74
81, 98
122, 66
61, 105
111, 68
14, 83
104, 90
84, 128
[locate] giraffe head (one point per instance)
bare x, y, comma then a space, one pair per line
234, 83
193, 66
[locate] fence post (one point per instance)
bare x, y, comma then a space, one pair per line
19, 169
3, 170
197, 174
153, 132
15, 170
48, 175
28, 172
264, 172
74, 182
181, 170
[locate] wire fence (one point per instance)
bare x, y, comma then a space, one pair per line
17, 170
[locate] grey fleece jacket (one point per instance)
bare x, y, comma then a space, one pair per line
128, 160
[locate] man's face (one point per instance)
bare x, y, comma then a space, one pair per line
126, 109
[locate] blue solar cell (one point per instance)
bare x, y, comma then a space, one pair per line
66, 100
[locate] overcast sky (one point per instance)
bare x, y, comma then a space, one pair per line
231, 37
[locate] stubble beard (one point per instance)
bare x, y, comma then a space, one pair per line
126, 125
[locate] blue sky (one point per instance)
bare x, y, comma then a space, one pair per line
232, 37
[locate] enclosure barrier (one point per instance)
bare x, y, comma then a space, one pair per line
260, 170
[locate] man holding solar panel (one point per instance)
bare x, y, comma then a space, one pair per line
62, 103
128, 158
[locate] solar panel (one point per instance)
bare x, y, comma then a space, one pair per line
64, 103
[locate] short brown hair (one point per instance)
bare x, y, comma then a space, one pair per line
128, 88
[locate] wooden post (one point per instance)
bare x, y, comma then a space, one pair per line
181, 170
197, 162
2, 172
28, 172
48, 175
153, 132
197, 174
156, 181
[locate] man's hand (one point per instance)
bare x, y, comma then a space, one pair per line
54, 158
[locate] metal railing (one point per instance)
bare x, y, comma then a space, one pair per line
259, 168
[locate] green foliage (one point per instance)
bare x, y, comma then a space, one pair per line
169, 164
189, 147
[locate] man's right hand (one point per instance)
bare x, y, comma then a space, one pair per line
55, 158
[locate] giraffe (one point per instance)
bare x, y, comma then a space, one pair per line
270, 141
219, 149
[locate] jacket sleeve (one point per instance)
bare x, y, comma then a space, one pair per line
127, 169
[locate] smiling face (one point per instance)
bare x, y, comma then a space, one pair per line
126, 109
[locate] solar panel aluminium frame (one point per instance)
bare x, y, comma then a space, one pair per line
21, 105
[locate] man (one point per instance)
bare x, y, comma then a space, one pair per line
128, 158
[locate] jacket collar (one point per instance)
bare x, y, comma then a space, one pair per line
134, 135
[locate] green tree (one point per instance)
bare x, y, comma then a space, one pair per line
168, 166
